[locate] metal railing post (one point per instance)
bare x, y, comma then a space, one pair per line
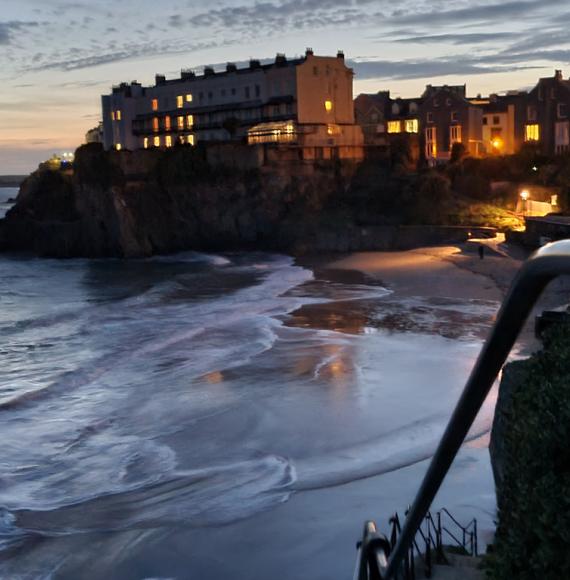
546, 264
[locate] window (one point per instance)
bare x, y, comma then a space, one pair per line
188, 97
394, 127
454, 116
223, 92
155, 124
431, 143
112, 115
247, 92
233, 91
189, 121
562, 135
395, 109
562, 110
430, 117
155, 104
412, 126
145, 142
328, 106
496, 132
210, 95
118, 146
168, 141
532, 133
180, 122
531, 113
540, 94
179, 101
485, 120
436, 102
156, 141
413, 107
190, 139
454, 135
118, 115
167, 123
201, 97
496, 120
257, 90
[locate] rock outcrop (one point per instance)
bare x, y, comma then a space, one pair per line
135, 204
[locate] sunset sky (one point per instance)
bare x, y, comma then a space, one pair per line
58, 57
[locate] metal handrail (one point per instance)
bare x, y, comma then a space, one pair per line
542, 267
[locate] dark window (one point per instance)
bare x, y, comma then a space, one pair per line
496, 120
485, 120
210, 95
223, 92
247, 92
531, 113
257, 90
276, 110
562, 110
201, 96
430, 117
436, 102
233, 91
496, 132
454, 116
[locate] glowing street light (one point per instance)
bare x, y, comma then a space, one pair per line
524, 196
497, 143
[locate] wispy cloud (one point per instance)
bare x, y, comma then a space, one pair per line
459, 39
7, 29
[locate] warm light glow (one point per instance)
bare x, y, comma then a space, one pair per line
394, 127
118, 146
179, 101
112, 115
156, 141
145, 142
276, 132
532, 132
188, 98
524, 194
168, 141
454, 134
155, 104
331, 129
118, 115
155, 124
190, 139
189, 121
412, 126
167, 123
497, 143
328, 106
180, 122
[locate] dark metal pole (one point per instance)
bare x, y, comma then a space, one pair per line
547, 263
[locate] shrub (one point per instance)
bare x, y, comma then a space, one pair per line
533, 533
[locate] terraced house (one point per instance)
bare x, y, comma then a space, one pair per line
305, 103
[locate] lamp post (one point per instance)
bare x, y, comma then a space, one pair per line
524, 197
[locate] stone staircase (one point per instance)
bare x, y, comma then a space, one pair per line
459, 568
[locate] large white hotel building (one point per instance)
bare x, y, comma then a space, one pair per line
305, 102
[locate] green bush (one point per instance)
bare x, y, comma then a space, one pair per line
533, 533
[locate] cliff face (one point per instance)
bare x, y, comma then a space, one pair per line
138, 204
124, 204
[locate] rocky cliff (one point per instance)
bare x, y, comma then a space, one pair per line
135, 204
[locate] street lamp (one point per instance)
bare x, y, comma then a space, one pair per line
524, 196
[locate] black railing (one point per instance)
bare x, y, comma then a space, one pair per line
542, 267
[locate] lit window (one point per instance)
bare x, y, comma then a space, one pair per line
412, 126
155, 104
168, 141
189, 121
112, 115
328, 106
118, 146
431, 143
532, 133
145, 142
156, 141
454, 135
118, 115
179, 101
394, 127
167, 123
155, 124
180, 122
188, 98
190, 139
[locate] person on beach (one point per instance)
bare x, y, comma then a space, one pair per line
481, 251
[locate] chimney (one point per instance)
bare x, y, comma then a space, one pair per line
159, 79
254, 63
340, 54
280, 59
231, 67
187, 74
309, 52
558, 75
209, 71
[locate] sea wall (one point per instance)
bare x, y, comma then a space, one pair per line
135, 204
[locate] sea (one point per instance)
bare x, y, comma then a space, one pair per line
194, 392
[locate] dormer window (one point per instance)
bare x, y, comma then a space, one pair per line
395, 109
430, 117
531, 113
436, 102
454, 117
562, 110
